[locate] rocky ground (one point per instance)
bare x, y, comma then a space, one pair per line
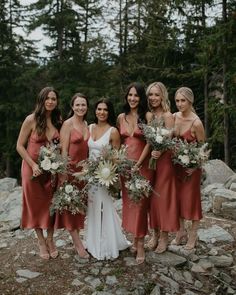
210, 269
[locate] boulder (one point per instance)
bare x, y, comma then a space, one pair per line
216, 171
224, 203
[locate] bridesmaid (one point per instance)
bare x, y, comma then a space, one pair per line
188, 126
134, 216
74, 143
163, 208
38, 129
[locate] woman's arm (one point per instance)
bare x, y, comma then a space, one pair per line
26, 129
65, 137
147, 147
115, 138
169, 120
199, 131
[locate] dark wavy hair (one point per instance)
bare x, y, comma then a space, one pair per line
40, 112
142, 106
111, 112
78, 94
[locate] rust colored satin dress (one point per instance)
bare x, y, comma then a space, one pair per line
37, 193
135, 216
164, 211
78, 151
188, 188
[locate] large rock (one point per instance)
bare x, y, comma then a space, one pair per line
224, 203
7, 184
216, 171
10, 204
207, 193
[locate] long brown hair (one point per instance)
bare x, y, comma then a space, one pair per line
40, 112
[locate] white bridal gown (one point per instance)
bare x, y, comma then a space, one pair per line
104, 237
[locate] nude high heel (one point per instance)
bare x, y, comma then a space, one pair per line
162, 244
43, 251
140, 258
180, 238
192, 240
52, 248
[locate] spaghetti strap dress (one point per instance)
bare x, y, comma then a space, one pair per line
164, 211
135, 216
188, 188
78, 151
104, 236
37, 192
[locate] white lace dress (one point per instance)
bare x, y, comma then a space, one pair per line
104, 237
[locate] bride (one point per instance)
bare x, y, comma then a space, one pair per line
104, 234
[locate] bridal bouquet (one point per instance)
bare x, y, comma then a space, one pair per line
158, 137
138, 187
105, 169
69, 197
190, 155
51, 160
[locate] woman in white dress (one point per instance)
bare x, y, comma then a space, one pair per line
104, 237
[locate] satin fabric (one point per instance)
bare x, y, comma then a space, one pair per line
164, 211
188, 188
104, 237
78, 151
37, 192
135, 216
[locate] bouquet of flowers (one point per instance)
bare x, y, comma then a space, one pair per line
69, 197
105, 169
138, 187
190, 155
158, 137
50, 159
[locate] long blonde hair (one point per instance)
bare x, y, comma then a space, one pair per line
165, 103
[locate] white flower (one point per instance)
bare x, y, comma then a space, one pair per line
165, 132
138, 184
105, 172
68, 199
185, 151
55, 166
46, 164
159, 139
53, 156
68, 188
184, 159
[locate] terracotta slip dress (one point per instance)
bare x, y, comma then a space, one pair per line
188, 188
78, 151
135, 216
38, 192
164, 211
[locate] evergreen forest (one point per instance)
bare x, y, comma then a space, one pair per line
98, 47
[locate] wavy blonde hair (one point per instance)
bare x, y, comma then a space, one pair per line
165, 103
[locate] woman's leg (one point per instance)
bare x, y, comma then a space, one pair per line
152, 243
140, 258
79, 247
181, 234
192, 236
162, 243
43, 250
50, 243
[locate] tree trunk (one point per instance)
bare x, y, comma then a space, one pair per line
225, 98
205, 79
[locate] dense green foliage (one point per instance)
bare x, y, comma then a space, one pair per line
99, 47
